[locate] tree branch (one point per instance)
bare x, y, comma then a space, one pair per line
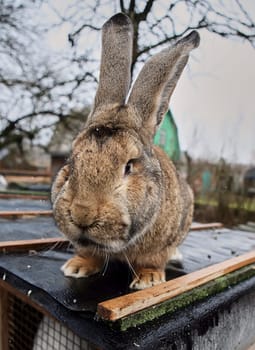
131, 6
142, 16
122, 6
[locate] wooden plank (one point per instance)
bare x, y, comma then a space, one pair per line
208, 226
4, 332
181, 301
117, 308
23, 196
28, 179
24, 213
32, 244
24, 172
12, 291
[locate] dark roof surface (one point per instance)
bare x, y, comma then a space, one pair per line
200, 249
24, 204
39, 276
19, 229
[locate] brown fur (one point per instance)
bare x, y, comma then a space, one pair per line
119, 196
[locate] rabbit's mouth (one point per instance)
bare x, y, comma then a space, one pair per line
110, 237
85, 242
100, 236
113, 246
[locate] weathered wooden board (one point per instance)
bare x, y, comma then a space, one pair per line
25, 172
32, 244
3, 317
117, 308
17, 195
28, 179
209, 226
24, 213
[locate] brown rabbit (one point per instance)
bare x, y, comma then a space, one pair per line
119, 196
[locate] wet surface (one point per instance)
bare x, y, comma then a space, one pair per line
39, 277
19, 229
205, 248
24, 204
42, 270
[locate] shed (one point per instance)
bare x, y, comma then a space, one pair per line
167, 137
250, 174
249, 182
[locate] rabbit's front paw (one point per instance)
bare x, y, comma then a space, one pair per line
147, 278
82, 266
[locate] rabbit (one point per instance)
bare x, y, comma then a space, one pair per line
119, 196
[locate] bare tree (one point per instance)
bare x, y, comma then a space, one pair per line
157, 23
40, 88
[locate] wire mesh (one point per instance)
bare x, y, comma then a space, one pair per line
29, 329
51, 335
22, 324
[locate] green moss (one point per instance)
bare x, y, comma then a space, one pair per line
197, 294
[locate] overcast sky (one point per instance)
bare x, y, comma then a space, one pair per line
214, 101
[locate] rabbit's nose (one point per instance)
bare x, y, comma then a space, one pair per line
82, 214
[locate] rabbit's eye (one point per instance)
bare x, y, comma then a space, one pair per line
128, 168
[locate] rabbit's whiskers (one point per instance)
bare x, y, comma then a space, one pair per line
95, 250
106, 264
130, 265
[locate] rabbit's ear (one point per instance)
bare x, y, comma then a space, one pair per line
116, 56
156, 82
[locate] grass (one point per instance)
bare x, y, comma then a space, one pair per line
243, 203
